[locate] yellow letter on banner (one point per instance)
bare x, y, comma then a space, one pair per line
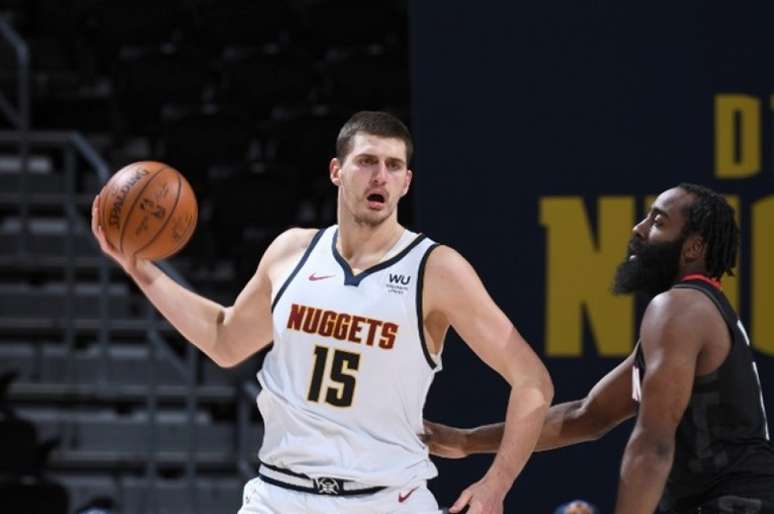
762, 311
737, 136
579, 272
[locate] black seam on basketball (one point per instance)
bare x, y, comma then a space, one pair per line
104, 213
103, 220
101, 213
192, 226
131, 208
195, 220
166, 221
420, 315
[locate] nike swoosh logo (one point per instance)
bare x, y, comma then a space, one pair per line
402, 498
314, 277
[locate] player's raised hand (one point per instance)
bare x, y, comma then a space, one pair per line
125, 262
445, 441
483, 497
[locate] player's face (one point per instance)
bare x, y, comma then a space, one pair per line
654, 257
372, 178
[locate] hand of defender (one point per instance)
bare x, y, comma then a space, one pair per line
483, 497
128, 263
445, 441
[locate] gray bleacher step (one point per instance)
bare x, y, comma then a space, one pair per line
213, 495
49, 245
39, 182
101, 434
55, 326
37, 164
50, 182
123, 364
12, 262
34, 199
41, 393
137, 459
47, 235
22, 300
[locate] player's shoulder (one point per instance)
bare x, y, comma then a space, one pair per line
291, 242
679, 310
444, 258
297, 237
680, 304
447, 268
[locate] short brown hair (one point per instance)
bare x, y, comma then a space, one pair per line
376, 123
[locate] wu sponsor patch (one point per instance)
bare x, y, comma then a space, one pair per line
397, 283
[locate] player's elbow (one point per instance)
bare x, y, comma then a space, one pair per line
532, 373
221, 350
546, 387
545, 384
221, 357
224, 361
655, 446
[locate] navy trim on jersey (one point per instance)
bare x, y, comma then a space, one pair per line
285, 471
420, 314
350, 279
702, 286
312, 488
285, 485
298, 267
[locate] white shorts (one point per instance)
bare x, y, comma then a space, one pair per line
262, 498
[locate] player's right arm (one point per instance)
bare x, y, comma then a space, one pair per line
227, 335
607, 405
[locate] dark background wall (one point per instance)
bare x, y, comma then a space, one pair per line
542, 129
517, 105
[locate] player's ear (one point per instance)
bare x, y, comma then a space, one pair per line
334, 167
407, 182
693, 248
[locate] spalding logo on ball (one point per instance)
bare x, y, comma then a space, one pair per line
148, 210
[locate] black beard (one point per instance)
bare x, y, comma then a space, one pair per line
653, 271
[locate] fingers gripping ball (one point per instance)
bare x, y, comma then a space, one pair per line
147, 210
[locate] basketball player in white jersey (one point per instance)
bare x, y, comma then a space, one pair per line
357, 313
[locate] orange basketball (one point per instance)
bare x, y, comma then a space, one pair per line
148, 209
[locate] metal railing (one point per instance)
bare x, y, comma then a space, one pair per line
74, 147
19, 116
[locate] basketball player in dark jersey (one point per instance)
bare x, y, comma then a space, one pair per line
701, 442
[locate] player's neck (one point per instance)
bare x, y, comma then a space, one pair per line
694, 268
363, 245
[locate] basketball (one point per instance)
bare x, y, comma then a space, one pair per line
147, 210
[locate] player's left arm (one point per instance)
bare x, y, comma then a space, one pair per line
454, 291
671, 340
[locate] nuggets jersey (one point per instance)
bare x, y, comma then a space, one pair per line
344, 386
722, 444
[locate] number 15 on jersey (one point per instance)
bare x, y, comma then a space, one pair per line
341, 379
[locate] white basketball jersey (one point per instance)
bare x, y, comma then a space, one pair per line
344, 386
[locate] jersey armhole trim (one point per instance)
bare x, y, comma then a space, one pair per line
420, 311
298, 267
704, 287
721, 308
